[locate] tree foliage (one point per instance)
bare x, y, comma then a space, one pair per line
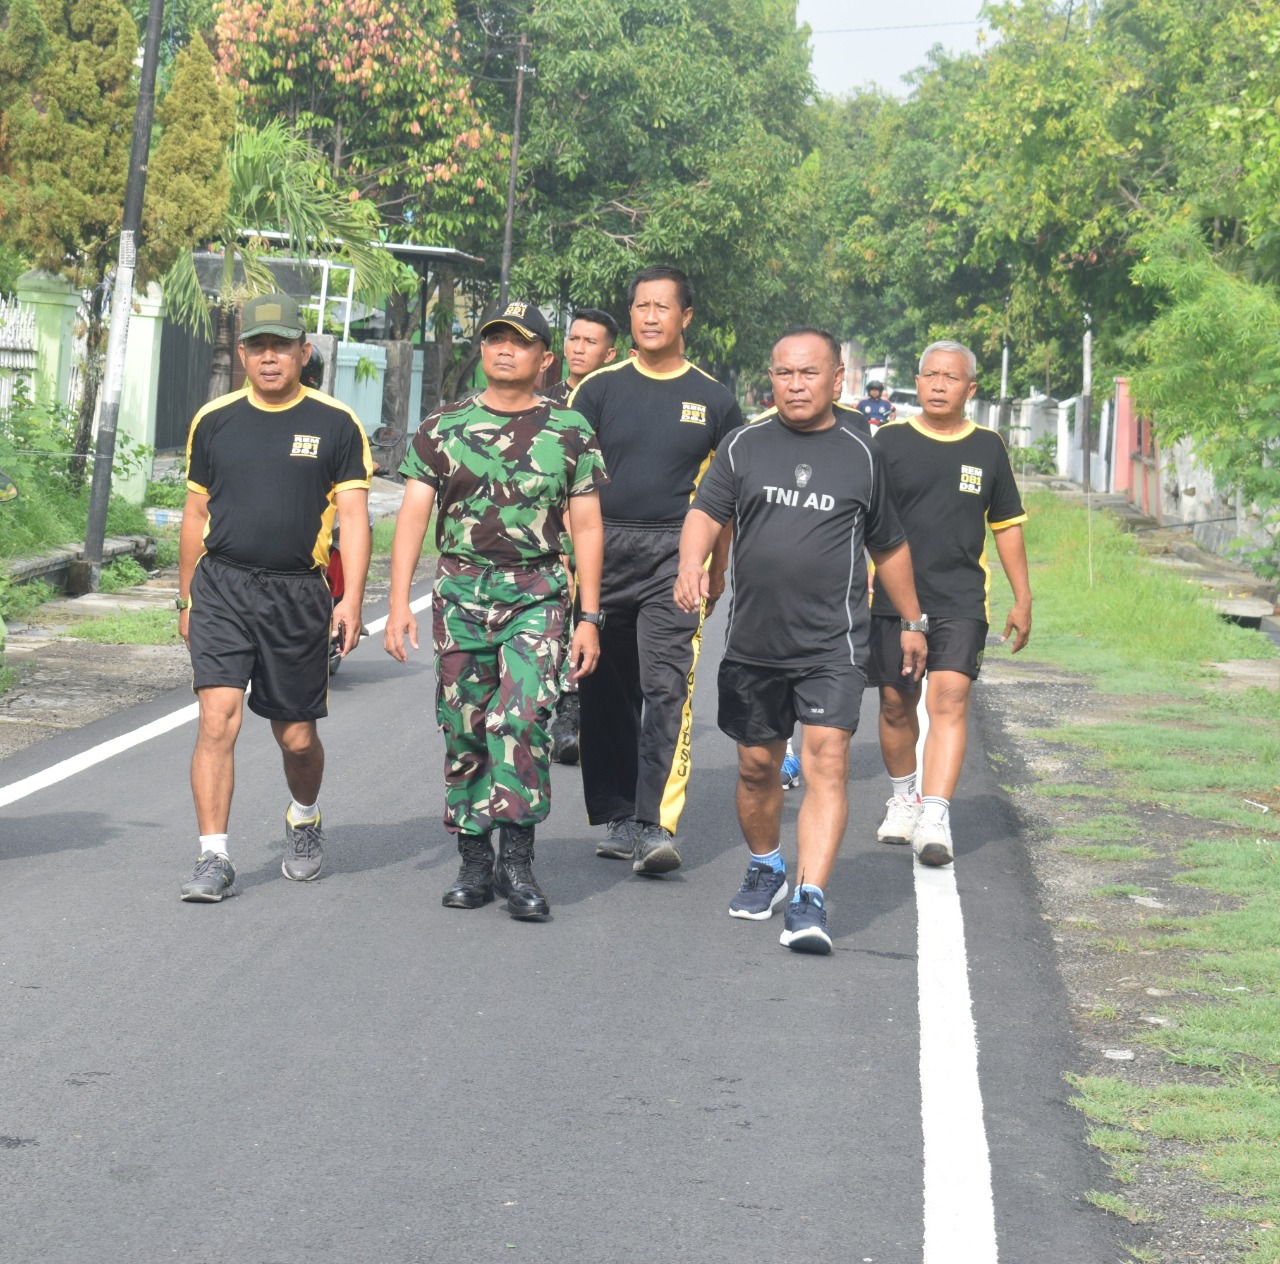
375, 86
66, 118
188, 182
663, 132
278, 183
1209, 371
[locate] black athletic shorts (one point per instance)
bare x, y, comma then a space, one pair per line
954, 645
265, 628
760, 705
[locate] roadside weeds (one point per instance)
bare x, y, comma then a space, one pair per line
1141, 773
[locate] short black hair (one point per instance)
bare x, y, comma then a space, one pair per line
662, 272
798, 331
594, 316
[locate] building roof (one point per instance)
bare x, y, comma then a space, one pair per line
407, 251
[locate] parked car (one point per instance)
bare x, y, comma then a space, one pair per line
905, 402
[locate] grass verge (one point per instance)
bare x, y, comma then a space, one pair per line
1172, 735
136, 627
384, 531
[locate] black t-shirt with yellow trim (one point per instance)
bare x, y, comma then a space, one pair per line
658, 432
272, 475
949, 488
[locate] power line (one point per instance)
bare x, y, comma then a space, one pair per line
919, 26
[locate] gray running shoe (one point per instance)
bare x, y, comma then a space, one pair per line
213, 880
655, 851
619, 841
305, 841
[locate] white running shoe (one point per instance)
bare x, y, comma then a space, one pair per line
900, 820
931, 843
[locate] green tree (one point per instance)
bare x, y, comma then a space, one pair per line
375, 86
188, 182
1208, 373
65, 129
278, 183
665, 132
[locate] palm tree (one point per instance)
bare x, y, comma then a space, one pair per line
278, 184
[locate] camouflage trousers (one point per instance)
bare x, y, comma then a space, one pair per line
498, 638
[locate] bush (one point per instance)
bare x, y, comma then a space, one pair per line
166, 552
167, 493
124, 572
35, 450
18, 601
1040, 458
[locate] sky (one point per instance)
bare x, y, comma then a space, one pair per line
848, 55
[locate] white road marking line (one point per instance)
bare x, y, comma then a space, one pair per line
127, 741
959, 1208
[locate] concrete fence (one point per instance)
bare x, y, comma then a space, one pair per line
17, 349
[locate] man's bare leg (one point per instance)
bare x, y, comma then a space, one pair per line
899, 729
213, 778
759, 795
899, 735
824, 756
299, 742
947, 701
213, 762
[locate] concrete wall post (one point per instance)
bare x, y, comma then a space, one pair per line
55, 302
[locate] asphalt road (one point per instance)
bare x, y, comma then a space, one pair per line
346, 1071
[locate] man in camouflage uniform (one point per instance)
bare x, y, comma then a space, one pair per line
507, 468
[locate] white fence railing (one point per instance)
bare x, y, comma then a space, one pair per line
17, 348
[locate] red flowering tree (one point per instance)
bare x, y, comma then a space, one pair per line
375, 85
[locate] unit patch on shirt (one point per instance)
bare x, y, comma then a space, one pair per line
306, 445
971, 479
696, 414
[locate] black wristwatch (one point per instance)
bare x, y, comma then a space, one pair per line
592, 616
916, 625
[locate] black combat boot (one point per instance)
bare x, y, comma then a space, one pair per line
564, 730
514, 875
474, 885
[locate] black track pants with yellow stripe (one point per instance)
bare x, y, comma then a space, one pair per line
636, 708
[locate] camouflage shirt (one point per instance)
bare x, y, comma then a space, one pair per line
503, 480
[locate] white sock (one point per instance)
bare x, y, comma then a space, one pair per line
904, 787
302, 812
936, 811
216, 843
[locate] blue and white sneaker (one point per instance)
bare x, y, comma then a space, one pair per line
806, 926
790, 770
762, 890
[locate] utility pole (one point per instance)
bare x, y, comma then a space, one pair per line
1086, 397
121, 307
522, 55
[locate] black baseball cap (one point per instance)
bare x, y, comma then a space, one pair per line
525, 318
271, 314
